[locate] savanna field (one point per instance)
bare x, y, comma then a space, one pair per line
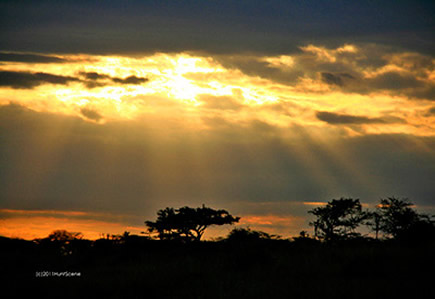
140, 268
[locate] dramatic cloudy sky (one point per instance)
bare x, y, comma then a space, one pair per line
111, 110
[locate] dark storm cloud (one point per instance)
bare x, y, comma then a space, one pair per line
26, 80
340, 72
395, 81
255, 66
91, 114
139, 167
94, 76
430, 112
93, 79
335, 79
130, 80
347, 119
218, 27
409, 75
427, 92
346, 70
30, 58
331, 79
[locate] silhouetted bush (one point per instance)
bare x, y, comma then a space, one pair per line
248, 235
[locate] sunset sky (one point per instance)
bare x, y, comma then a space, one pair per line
112, 110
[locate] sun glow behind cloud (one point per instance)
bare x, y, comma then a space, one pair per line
177, 82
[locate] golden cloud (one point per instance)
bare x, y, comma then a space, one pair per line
200, 86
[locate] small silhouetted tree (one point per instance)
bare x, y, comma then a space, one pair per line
396, 216
374, 222
397, 219
188, 224
338, 219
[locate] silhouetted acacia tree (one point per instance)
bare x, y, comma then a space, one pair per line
187, 223
338, 219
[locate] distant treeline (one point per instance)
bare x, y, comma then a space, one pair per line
337, 220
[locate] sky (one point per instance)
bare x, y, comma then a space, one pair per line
112, 110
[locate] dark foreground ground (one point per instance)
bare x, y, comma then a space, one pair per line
140, 268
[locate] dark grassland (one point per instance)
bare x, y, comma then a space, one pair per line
137, 267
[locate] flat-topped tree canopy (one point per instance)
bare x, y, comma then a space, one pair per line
187, 223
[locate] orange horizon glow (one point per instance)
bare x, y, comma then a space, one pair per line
274, 220
34, 224
30, 225
30, 228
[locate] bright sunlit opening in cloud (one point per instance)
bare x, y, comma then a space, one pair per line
127, 87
